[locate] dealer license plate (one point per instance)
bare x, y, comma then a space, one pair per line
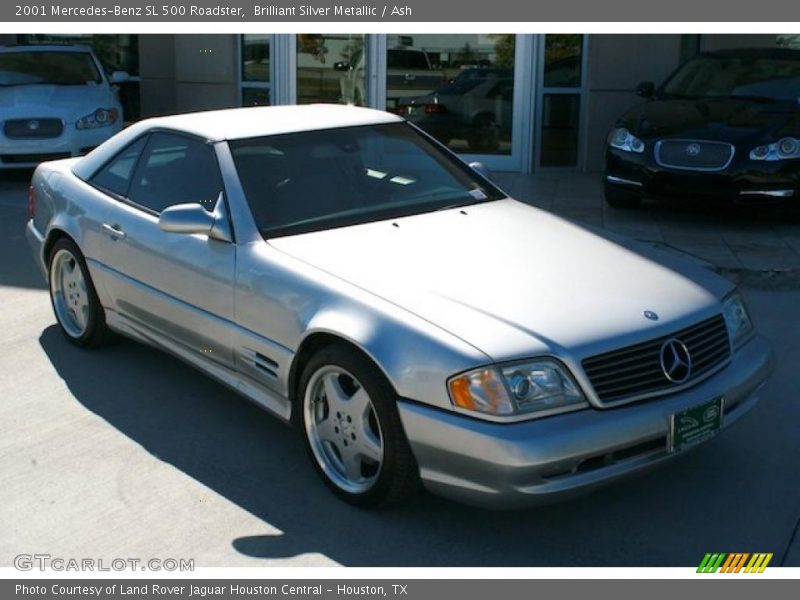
695, 425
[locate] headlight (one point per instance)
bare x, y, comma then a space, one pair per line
622, 139
737, 319
102, 117
784, 149
537, 386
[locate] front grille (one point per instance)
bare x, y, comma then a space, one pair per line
635, 371
33, 129
694, 155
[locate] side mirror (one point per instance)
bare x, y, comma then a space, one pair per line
341, 66
120, 77
481, 169
193, 218
646, 89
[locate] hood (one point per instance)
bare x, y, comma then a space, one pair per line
512, 280
726, 119
68, 102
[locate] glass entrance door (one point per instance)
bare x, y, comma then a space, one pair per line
473, 92
466, 90
562, 77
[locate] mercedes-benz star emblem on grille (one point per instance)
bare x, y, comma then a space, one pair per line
651, 315
676, 362
33, 124
693, 149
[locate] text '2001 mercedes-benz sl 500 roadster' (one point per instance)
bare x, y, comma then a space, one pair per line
348, 273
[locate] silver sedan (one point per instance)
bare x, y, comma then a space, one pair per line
346, 272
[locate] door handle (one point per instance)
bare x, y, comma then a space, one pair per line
114, 231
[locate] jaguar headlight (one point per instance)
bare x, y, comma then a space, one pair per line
102, 117
622, 139
536, 387
737, 319
784, 149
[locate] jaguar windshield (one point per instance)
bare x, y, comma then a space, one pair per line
48, 68
775, 79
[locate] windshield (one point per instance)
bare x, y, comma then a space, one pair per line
308, 181
775, 79
47, 68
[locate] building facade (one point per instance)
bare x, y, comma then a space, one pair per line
516, 102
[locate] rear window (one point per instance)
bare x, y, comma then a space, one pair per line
48, 68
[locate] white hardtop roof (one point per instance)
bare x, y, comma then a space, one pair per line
238, 123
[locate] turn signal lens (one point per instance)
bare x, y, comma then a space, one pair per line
481, 391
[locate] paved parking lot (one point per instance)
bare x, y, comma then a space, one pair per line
128, 452
754, 237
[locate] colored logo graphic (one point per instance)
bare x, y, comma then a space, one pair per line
735, 562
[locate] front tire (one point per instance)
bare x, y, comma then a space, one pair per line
352, 429
72, 294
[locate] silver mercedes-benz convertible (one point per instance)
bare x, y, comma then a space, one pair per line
348, 273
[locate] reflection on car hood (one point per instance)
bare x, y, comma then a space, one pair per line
723, 118
512, 280
70, 102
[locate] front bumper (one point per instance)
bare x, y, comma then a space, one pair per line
27, 153
538, 461
742, 180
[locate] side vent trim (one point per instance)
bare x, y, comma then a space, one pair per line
260, 362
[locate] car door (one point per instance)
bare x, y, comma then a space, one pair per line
175, 285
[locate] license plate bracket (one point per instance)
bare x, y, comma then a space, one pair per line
694, 425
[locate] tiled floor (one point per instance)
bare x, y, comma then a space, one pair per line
733, 238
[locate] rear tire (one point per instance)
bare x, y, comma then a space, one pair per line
352, 429
619, 198
78, 312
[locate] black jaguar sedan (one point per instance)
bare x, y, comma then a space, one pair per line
724, 126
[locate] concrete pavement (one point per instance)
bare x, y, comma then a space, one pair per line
758, 242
